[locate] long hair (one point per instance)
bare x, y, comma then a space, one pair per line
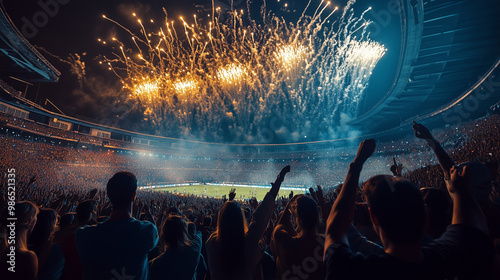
175, 232
306, 210
43, 231
230, 234
25, 214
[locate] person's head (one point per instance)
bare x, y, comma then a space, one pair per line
175, 232
25, 214
231, 230
437, 202
361, 216
121, 189
44, 229
207, 221
305, 213
84, 211
231, 221
481, 181
396, 209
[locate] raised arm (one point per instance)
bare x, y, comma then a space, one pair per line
284, 219
396, 169
275, 187
320, 199
263, 212
283, 228
342, 211
232, 194
466, 211
444, 159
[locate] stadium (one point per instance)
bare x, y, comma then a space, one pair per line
207, 110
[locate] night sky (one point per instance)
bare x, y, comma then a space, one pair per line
68, 30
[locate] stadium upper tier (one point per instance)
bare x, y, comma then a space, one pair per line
18, 58
31, 119
447, 46
449, 53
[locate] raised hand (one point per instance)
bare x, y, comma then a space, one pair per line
313, 193
277, 183
444, 159
421, 131
232, 194
319, 195
460, 179
284, 171
365, 150
396, 169
253, 203
91, 194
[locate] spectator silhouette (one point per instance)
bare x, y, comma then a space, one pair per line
299, 251
85, 211
50, 256
181, 256
119, 247
398, 213
26, 262
437, 204
233, 249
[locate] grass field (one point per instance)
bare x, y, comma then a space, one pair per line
242, 192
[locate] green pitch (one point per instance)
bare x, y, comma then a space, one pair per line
219, 191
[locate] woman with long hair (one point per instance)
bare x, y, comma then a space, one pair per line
16, 260
181, 253
50, 256
233, 249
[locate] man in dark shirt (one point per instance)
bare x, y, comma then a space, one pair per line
398, 215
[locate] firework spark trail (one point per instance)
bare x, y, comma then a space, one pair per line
222, 80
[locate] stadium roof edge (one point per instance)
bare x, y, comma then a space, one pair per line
454, 49
19, 58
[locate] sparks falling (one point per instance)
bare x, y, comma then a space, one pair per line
223, 77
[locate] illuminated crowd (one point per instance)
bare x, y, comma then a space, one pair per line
62, 181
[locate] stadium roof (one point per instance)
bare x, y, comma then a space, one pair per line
18, 58
447, 46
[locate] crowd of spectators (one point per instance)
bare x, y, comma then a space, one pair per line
74, 222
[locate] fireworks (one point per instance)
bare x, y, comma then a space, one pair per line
231, 74
185, 86
289, 56
146, 89
225, 79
